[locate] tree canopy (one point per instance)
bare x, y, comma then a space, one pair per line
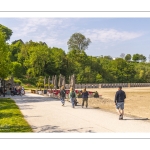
6, 31
30, 60
4, 57
78, 42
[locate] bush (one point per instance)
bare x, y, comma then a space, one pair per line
17, 81
51, 86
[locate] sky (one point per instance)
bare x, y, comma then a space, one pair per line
109, 36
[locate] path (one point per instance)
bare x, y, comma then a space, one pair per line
46, 114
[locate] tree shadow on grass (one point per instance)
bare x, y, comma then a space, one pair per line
8, 128
7, 103
9, 115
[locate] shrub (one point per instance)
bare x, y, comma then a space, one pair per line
17, 81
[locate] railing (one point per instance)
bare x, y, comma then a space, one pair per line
108, 85
56, 93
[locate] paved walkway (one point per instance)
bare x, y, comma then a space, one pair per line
46, 114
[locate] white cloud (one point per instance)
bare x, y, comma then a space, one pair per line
30, 25
110, 35
42, 29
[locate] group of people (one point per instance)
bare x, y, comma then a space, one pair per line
17, 90
120, 97
72, 96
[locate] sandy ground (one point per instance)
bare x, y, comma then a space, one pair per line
137, 102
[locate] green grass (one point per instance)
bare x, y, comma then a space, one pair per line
11, 118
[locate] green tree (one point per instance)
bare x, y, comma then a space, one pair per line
16, 69
4, 57
142, 58
122, 55
136, 57
108, 57
15, 49
6, 32
78, 42
34, 55
40, 82
128, 57
99, 78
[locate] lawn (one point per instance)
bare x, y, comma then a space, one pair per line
11, 118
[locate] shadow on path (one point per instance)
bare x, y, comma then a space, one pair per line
33, 99
53, 129
137, 119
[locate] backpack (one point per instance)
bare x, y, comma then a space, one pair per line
62, 93
72, 95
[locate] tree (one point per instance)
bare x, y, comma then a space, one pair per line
122, 55
4, 57
40, 82
78, 42
35, 56
16, 69
136, 57
142, 58
108, 57
99, 78
128, 57
139, 57
15, 49
6, 31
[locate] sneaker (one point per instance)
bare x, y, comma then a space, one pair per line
62, 104
120, 117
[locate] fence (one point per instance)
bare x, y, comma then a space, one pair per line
108, 85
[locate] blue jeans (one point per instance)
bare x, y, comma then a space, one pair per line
62, 99
72, 101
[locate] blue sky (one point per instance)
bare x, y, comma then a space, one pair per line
109, 36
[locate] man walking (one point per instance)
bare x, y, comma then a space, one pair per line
62, 95
85, 97
119, 101
72, 96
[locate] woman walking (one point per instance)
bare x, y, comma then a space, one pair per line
62, 95
72, 96
85, 97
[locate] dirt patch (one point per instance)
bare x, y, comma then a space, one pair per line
137, 102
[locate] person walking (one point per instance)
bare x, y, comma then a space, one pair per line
72, 96
119, 102
22, 90
62, 95
85, 97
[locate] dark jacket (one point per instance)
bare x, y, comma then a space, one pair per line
85, 94
62, 93
120, 96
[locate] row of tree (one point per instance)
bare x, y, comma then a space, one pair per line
27, 61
